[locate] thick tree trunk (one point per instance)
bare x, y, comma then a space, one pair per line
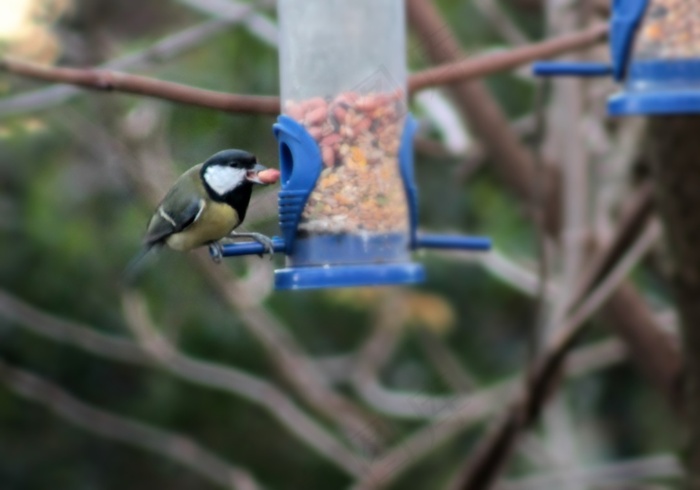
675, 152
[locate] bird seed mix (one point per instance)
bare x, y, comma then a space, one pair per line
360, 189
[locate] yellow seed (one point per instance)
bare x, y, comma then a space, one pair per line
358, 156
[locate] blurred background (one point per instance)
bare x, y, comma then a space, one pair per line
202, 375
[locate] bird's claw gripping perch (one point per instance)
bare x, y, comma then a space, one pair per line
263, 240
216, 252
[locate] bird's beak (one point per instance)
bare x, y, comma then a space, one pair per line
252, 174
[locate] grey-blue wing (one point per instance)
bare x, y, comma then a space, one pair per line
168, 220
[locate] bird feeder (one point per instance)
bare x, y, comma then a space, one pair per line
655, 50
348, 203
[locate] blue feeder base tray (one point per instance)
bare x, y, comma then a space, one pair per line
353, 260
655, 103
338, 276
659, 87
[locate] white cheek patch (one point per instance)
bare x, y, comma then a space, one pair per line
224, 179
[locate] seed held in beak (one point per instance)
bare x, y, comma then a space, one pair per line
252, 174
269, 176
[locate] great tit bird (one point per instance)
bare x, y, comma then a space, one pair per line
205, 205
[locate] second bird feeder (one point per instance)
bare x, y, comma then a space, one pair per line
655, 54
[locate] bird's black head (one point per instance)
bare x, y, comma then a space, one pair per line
229, 170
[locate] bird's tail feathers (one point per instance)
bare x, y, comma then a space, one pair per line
135, 266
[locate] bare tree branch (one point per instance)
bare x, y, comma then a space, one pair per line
454, 416
227, 379
656, 354
256, 23
111, 426
485, 463
502, 268
106, 79
135, 84
630, 316
486, 64
289, 358
163, 50
562, 131
496, 448
71, 333
420, 406
377, 351
445, 362
452, 413
158, 346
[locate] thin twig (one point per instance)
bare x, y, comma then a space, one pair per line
441, 115
257, 24
617, 156
500, 20
337, 368
502, 268
639, 207
455, 375
617, 473
112, 426
227, 379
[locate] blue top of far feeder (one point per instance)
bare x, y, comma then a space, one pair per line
655, 51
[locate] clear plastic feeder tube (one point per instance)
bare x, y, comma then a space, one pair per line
343, 77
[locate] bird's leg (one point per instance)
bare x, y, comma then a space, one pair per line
263, 240
216, 251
